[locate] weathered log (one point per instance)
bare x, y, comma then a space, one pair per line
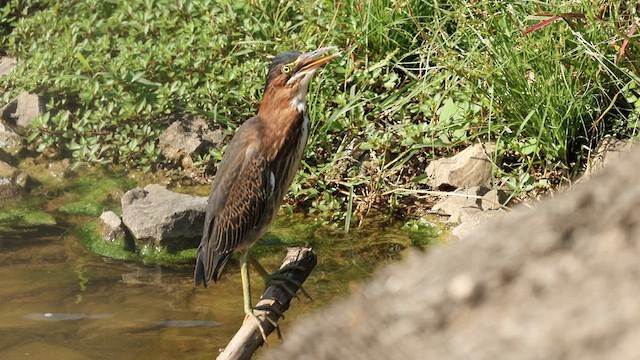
275, 300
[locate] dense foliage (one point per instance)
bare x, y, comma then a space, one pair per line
419, 80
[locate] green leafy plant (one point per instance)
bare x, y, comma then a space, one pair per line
419, 80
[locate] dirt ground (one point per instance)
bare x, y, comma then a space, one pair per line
560, 281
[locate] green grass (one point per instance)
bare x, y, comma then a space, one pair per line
419, 80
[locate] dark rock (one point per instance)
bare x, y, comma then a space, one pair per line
23, 110
157, 216
559, 281
7, 64
111, 226
470, 167
184, 139
8, 189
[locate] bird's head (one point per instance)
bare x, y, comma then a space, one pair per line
291, 72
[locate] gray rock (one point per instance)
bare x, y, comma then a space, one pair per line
461, 199
23, 110
7, 64
470, 207
470, 167
559, 281
8, 189
471, 221
30, 107
186, 138
111, 226
157, 216
10, 142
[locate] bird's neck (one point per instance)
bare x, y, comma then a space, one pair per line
279, 109
282, 118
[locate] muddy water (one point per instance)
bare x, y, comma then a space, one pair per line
58, 301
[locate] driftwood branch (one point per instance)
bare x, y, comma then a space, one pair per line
297, 266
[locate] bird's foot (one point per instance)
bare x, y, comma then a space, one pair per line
264, 313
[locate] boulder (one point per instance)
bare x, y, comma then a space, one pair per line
558, 281
470, 167
7, 64
157, 216
186, 138
23, 110
111, 226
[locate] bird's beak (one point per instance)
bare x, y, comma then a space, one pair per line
314, 59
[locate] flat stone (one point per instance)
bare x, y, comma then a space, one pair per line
111, 226
157, 216
470, 167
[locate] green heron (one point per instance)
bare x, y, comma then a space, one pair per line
258, 167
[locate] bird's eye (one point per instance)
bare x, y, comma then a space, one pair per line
286, 69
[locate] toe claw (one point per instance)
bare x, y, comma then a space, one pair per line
253, 316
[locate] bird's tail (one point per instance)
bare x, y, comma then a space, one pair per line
206, 268
200, 273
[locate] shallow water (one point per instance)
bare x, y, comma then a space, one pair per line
61, 302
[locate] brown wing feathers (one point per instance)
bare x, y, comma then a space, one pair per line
228, 227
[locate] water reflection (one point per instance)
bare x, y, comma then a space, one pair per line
61, 302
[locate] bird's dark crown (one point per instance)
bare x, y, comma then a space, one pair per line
277, 62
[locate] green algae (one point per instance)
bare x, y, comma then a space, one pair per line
17, 213
122, 249
93, 194
92, 239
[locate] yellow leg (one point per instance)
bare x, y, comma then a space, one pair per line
246, 293
246, 282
